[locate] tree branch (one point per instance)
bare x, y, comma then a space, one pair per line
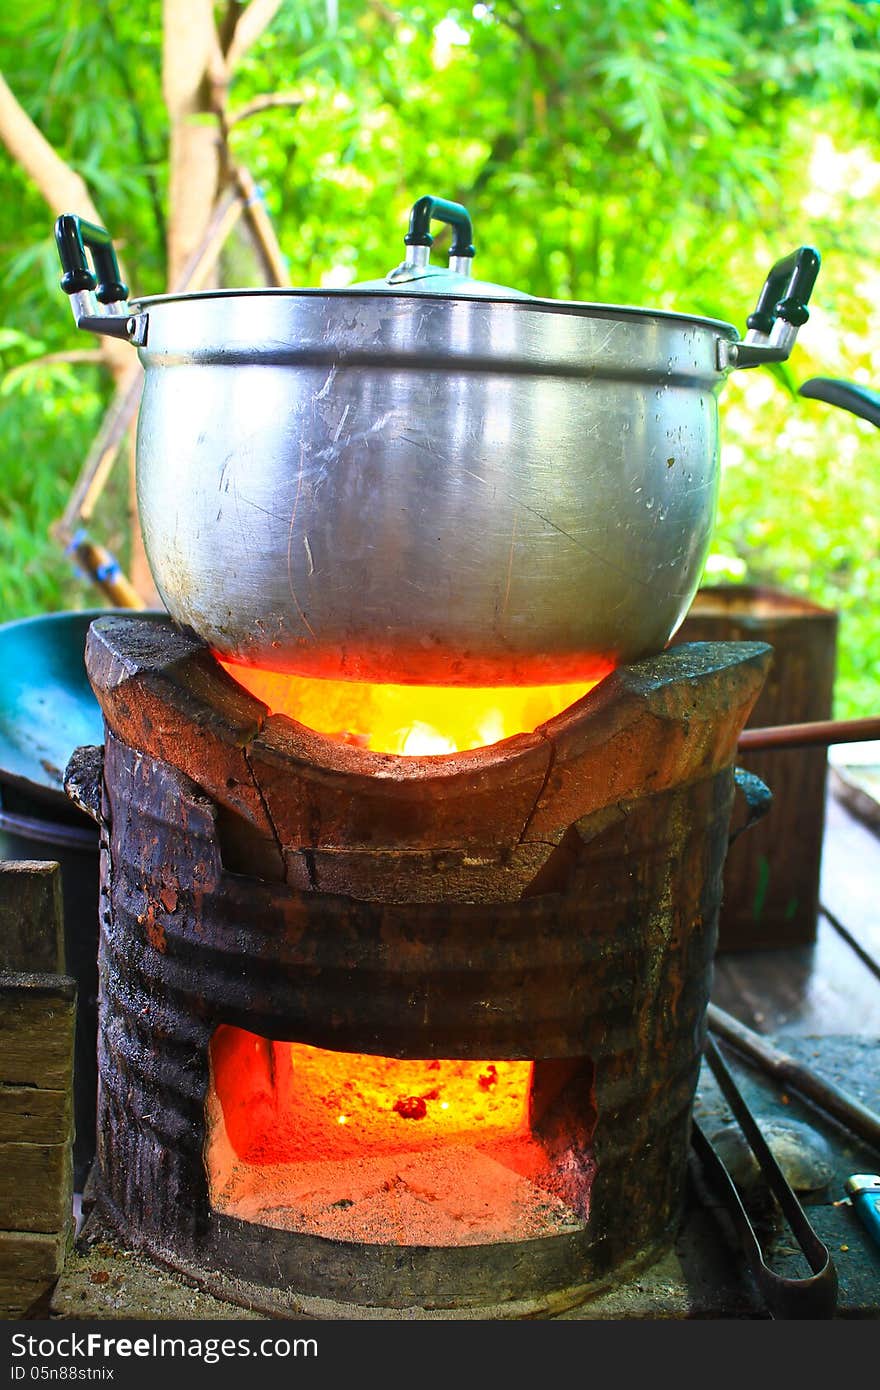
546, 60
251, 24
60, 185
140, 130
63, 189
93, 356
385, 12
274, 264
265, 103
227, 26
195, 103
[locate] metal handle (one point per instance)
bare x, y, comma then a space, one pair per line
429, 209
858, 400
90, 288
84, 779
781, 310
822, 733
758, 799
812, 1297
73, 235
419, 241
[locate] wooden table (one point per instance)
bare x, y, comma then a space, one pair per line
826, 988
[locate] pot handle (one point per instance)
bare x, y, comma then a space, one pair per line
758, 798
429, 209
84, 779
781, 310
858, 400
419, 241
88, 288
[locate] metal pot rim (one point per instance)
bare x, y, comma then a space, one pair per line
573, 307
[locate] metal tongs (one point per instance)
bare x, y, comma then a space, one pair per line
814, 1296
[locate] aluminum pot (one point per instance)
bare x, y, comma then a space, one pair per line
426, 478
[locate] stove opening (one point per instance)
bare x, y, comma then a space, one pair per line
388, 1151
413, 720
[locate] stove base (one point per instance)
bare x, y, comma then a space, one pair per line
698, 1276
578, 938
106, 1229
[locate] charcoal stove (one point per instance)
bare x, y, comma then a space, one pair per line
403, 1036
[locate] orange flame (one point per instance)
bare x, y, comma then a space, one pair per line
377, 1149
288, 1102
413, 720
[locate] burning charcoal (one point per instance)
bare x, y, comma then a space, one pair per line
411, 1107
488, 1078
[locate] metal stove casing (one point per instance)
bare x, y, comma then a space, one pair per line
610, 826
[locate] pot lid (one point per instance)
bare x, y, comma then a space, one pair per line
781, 310
416, 275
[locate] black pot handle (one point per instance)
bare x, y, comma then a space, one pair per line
429, 209
781, 310
858, 400
84, 779
72, 236
787, 291
90, 288
758, 799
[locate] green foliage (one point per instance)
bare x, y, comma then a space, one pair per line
641, 151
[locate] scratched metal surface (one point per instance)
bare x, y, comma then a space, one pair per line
401, 488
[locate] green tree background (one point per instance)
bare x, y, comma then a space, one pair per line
647, 152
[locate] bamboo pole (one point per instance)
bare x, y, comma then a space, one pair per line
274, 263
787, 1070
104, 569
822, 733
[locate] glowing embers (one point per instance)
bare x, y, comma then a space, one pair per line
415, 720
378, 1150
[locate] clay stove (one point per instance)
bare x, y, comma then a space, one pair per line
385, 1035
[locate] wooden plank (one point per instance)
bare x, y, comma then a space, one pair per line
37, 1189
31, 921
823, 988
37, 1018
32, 1116
815, 990
851, 875
37, 1022
771, 878
19, 1298
31, 1255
